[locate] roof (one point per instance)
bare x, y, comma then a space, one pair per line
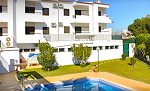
77, 2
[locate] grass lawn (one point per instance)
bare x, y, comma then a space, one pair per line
140, 72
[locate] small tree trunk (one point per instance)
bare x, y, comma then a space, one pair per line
48, 69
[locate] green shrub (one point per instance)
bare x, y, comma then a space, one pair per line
82, 65
47, 57
123, 57
133, 61
82, 53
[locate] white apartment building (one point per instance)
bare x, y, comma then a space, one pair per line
23, 23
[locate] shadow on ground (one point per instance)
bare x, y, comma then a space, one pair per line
31, 74
52, 68
85, 64
129, 64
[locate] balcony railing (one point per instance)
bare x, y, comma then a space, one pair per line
33, 0
104, 19
62, 37
103, 37
33, 12
79, 16
81, 37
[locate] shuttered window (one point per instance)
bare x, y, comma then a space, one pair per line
66, 12
30, 10
45, 30
45, 11
66, 29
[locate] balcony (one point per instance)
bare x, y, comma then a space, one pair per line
3, 29
81, 14
33, 1
3, 9
103, 19
3, 6
81, 19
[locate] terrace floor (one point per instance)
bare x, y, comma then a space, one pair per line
10, 82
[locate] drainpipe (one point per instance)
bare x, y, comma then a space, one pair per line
58, 18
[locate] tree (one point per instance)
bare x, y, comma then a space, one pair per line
81, 53
142, 45
46, 57
142, 48
140, 26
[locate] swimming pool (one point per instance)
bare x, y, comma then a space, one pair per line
83, 84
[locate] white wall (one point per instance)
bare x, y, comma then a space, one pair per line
9, 18
17, 19
8, 58
66, 58
131, 51
38, 18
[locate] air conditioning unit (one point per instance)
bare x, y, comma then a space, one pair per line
53, 24
9, 42
61, 5
54, 5
90, 38
36, 45
60, 24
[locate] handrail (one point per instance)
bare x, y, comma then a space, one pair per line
21, 77
31, 83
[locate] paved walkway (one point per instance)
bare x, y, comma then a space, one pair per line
10, 83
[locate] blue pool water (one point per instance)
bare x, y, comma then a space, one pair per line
78, 85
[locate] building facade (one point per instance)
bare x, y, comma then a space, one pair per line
25, 23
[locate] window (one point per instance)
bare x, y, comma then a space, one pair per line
77, 29
116, 47
61, 49
26, 50
100, 47
66, 12
0, 9
45, 30
21, 50
77, 12
29, 30
99, 28
99, 13
45, 11
66, 29
106, 47
30, 10
55, 50
94, 48
32, 50
1, 33
69, 50
111, 47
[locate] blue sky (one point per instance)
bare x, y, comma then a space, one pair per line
124, 12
